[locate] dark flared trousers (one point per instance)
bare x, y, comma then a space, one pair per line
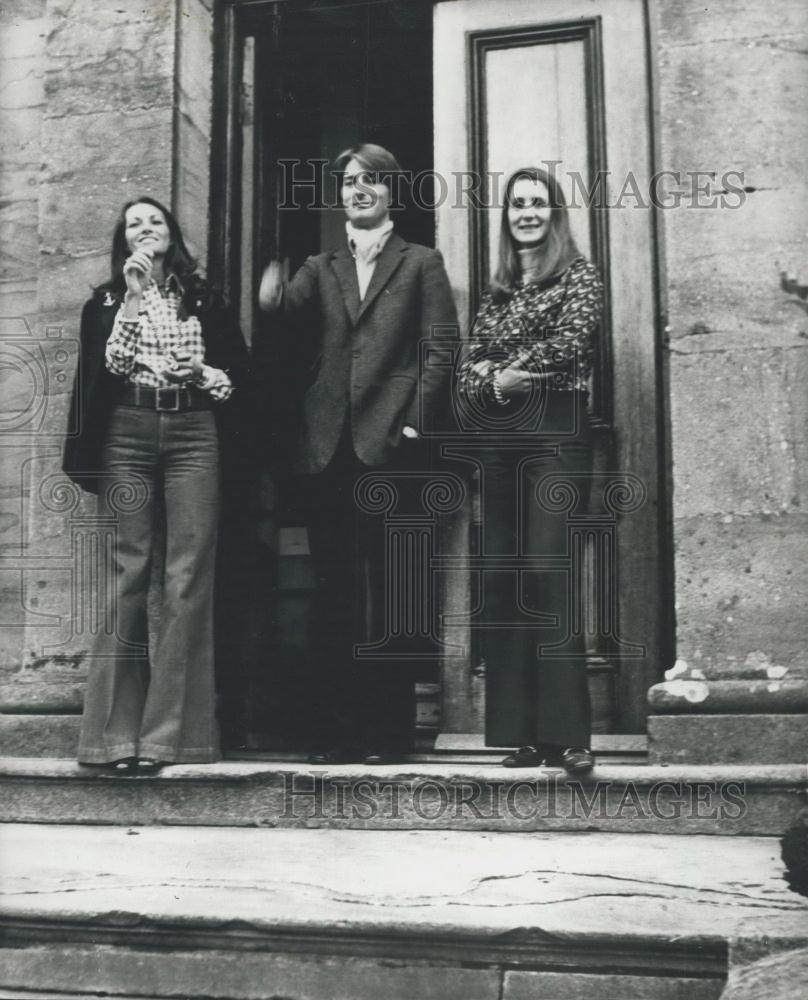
536, 679
357, 704
162, 707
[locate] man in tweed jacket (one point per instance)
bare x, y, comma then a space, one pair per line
365, 308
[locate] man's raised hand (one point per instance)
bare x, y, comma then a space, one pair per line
275, 276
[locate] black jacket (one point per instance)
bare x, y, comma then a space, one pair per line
96, 390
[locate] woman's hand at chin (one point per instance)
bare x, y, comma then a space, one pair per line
137, 271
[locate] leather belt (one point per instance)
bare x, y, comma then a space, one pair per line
170, 399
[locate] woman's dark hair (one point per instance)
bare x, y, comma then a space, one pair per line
378, 161
556, 252
178, 260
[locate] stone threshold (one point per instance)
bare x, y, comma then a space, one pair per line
404, 915
434, 795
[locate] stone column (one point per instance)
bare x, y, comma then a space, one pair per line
737, 365
750, 713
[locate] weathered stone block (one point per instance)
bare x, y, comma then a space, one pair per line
731, 697
242, 975
741, 585
91, 172
125, 54
576, 986
750, 800
704, 315
753, 397
755, 666
193, 119
20, 13
57, 694
728, 739
39, 735
691, 22
782, 975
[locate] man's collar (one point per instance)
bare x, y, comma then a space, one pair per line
367, 238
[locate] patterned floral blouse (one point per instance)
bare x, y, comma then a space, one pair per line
546, 328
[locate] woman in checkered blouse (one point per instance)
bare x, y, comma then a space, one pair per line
161, 358
523, 383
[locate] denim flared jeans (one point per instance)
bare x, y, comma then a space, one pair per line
156, 465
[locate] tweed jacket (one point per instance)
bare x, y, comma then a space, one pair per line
365, 354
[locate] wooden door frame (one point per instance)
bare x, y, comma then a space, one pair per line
233, 21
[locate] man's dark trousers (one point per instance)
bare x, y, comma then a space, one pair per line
362, 705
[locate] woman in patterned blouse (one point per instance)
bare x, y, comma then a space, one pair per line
524, 382
160, 358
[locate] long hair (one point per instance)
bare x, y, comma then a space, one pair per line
556, 252
178, 260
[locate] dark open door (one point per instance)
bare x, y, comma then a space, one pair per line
310, 79
461, 87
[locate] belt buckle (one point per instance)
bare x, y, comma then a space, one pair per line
160, 406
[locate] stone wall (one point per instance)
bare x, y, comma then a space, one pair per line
95, 111
22, 44
732, 82
194, 102
102, 102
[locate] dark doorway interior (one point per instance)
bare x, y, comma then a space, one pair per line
338, 75
328, 75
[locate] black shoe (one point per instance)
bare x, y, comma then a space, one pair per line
576, 760
332, 757
149, 765
126, 765
374, 759
524, 757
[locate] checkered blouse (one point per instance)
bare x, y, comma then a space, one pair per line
139, 349
548, 328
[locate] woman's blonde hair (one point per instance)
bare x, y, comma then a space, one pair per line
557, 251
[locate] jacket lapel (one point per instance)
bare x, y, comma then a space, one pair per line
386, 264
345, 270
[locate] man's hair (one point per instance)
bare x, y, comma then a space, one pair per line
378, 161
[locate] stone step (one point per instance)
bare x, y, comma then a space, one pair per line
402, 915
728, 739
455, 795
57, 735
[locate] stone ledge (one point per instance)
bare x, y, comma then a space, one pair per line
349, 915
733, 697
728, 739
48, 735
544, 985
735, 800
